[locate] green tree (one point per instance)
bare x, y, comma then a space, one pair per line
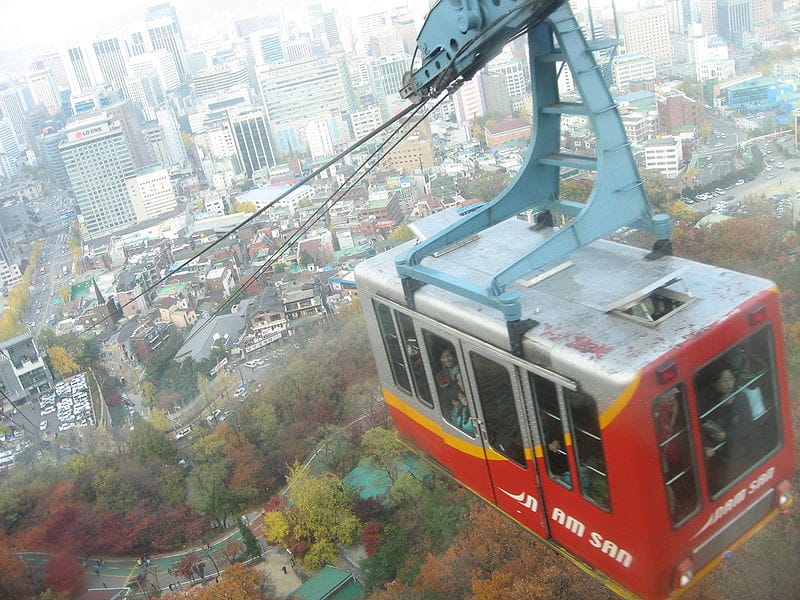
381, 447
251, 547
148, 442
485, 186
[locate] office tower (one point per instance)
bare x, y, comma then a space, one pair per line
735, 19
52, 161
53, 62
386, 77
251, 136
331, 30
82, 70
9, 150
295, 92
468, 101
151, 193
676, 17
130, 119
164, 33
513, 72
36, 120
762, 11
647, 31
172, 135
147, 91
219, 78
495, 94
112, 61
136, 43
98, 162
43, 91
11, 108
708, 15
159, 62
266, 46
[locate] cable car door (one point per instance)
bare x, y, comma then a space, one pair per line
501, 422
462, 451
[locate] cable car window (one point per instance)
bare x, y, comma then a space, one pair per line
586, 439
414, 356
496, 396
449, 382
675, 451
737, 410
552, 426
391, 344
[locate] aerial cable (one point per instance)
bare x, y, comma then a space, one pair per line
313, 218
259, 212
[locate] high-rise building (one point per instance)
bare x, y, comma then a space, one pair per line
219, 78
172, 135
708, 15
762, 11
82, 69
53, 62
43, 91
112, 60
98, 162
266, 46
251, 136
52, 161
136, 43
735, 19
468, 101
295, 92
147, 91
647, 31
11, 108
159, 62
130, 119
164, 33
9, 150
386, 77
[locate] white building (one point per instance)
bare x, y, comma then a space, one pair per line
9, 149
664, 155
633, 68
647, 31
172, 135
43, 91
365, 121
152, 193
9, 275
98, 162
159, 62
319, 139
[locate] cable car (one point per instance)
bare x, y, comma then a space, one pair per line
609, 435
629, 407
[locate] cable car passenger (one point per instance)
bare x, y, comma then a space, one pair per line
736, 401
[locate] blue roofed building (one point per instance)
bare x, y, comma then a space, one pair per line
756, 95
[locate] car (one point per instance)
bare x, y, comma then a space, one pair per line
43, 426
795, 169
779, 165
183, 433
718, 145
739, 182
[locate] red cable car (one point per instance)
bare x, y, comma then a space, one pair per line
644, 427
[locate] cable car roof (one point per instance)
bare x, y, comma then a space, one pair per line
579, 304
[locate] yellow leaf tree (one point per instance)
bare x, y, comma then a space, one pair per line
62, 362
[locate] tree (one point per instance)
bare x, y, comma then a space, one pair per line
401, 234
485, 186
305, 258
62, 362
158, 419
380, 446
321, 509
63, 574
251, 547
15, 582
148, 392
148, 443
